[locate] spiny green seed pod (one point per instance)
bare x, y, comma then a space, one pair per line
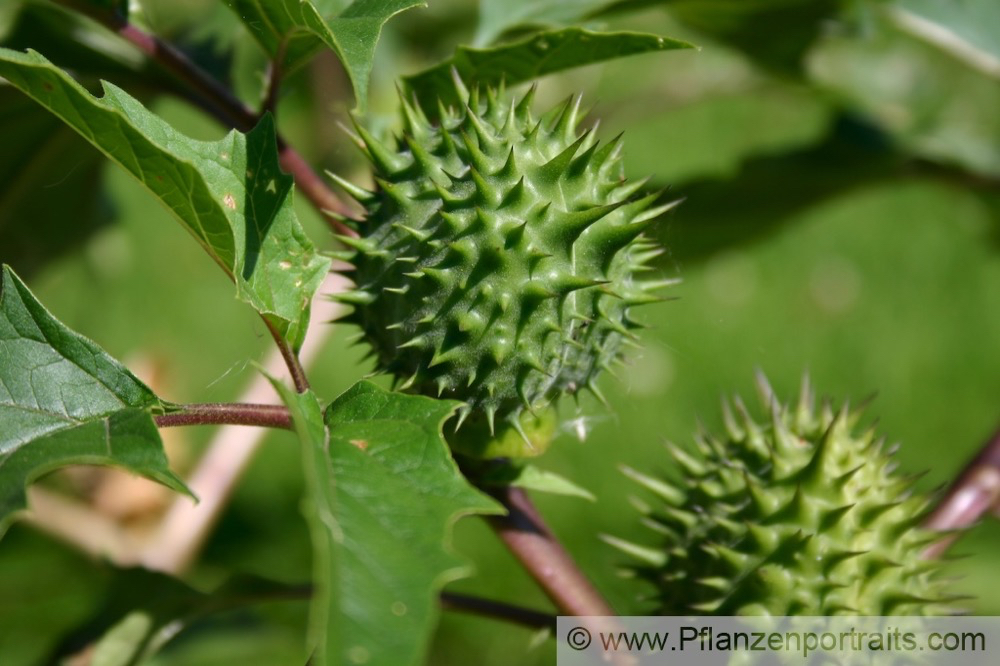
795, 516
498, 262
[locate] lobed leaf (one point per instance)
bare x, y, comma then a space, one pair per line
538, 55
497, 17
293, 30
230, 194
64, 401
774, 33
384, 492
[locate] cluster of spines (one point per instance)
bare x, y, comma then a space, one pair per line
797, 516
500, 254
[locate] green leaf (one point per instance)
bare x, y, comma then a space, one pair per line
230, 194
532, 477
64, 401
775, 33
280, 26
384, 492
294, 30
530, 58
321, 515
498, 16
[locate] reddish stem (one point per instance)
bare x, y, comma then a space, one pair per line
226, 106
530, 540
227, 413
292, 361
973, 494
275, 71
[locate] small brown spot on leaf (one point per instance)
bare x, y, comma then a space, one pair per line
229, 201
47, 86
360, 443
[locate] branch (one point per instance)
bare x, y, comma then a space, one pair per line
974, 493
526, 617
527, 536
228, 413
224, 105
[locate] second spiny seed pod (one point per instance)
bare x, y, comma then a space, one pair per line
797, 515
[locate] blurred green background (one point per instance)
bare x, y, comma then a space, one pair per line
841, 169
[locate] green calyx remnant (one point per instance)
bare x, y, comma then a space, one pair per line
795, 516
498, 263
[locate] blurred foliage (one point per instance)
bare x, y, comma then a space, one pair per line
842, 217
40, 152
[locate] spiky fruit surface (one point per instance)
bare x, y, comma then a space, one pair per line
498, 261
798, 515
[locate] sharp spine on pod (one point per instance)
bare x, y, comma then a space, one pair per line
523, 247
801, 516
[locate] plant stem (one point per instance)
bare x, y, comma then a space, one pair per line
291, 359
527, 536
228, 413
526, 617
224, 105
974, 493
274, 74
